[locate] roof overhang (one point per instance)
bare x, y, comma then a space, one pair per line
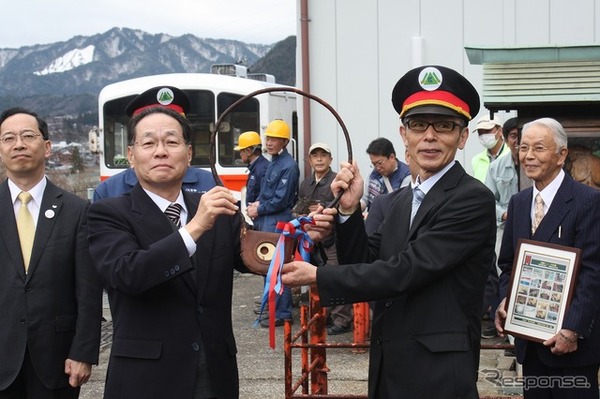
511, 55
517, 77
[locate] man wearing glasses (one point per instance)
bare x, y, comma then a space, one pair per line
195, 179
389, 173
423, 265
166, 258
50, 295
560, 211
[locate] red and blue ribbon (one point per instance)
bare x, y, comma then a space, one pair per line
293, 230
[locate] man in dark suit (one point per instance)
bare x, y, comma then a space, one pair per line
50, 295
568, 214
426, 274
166, 257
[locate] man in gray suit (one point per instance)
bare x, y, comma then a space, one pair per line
50, 294
423, 267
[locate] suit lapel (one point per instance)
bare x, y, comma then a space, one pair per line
156, 224
557, 211
147, 214
203, 247
522, 210
8, 231
52, 203
436, 195
402, 205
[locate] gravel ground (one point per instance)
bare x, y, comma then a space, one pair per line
262, 369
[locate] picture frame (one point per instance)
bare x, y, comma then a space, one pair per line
541, 286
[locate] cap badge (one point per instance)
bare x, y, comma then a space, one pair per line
430, 78
165, 96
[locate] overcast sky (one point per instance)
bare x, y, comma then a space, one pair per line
29, 22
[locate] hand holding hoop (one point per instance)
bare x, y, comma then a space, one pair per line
256, 245
271, 90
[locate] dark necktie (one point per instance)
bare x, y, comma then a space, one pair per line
173, 211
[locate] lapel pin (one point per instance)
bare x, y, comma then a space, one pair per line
49, 214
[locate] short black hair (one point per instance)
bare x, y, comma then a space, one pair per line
186, 127
510, 124
42, 125
381, 146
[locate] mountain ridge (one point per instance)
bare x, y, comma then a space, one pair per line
117, 54
62, 80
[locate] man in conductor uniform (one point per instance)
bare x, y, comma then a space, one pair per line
426, 274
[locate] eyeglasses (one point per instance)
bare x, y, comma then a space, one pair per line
420, 126
26, 137
378, 163
171, 144
538, 149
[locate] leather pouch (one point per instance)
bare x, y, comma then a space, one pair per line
258, 249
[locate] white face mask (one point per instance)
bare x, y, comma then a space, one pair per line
488, 140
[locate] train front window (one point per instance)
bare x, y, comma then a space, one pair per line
115, 133
201, 115
243, 118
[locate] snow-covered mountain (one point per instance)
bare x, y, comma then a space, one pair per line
71, 60
85, 64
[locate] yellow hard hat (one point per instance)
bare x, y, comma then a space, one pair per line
247, 139
279, 129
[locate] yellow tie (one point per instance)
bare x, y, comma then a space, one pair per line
26, 228
538, 213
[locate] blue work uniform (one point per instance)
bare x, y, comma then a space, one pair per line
195, 180
278, 193
257, 169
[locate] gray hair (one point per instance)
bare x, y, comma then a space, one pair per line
558, 132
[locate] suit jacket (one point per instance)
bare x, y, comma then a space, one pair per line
575, 212
428, 282
379, 208
54, 310
165, 304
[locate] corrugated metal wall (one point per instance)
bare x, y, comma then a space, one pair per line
516, 83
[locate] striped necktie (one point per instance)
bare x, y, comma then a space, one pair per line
418, 196
173, 211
